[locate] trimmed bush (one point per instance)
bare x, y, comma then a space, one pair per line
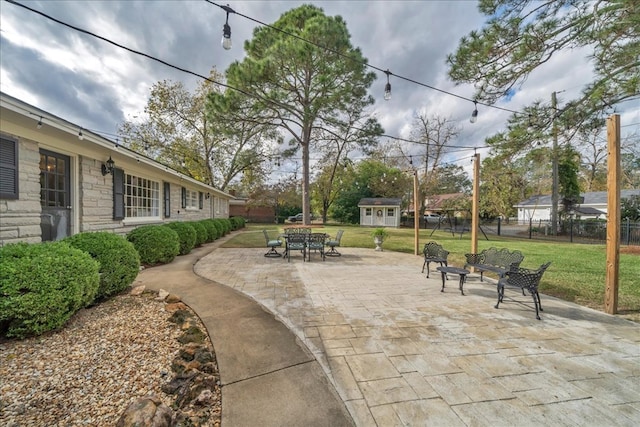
186, 235
156, 244
201, 232
118, 258
237, 222
212, 231
219, 226
42, 285
226, 225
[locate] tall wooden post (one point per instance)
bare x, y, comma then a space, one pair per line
416, 214
475, 211
613, 214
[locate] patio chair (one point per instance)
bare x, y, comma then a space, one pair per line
272, 244
434, 252
296, 242
523, 278
333, 244
315, 242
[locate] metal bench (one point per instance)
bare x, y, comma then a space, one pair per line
494, 260
434, 252
524, 279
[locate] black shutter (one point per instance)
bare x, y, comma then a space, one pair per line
118, 194
201, 195
8, 168
184, 197
167, 200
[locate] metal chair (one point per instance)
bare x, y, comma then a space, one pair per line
296, 242
333, 244
523, 278
272, 245
434, 252
316, 242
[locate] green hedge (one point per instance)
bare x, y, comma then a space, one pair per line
201, 232
118, 258
43, 285
219, 226
156, 244
212, 231
237, 222
186, 235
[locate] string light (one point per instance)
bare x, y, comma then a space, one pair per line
387, 87
226, 29
80, 135
474, 114
39, 125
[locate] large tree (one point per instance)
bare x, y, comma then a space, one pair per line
211, 146
519, 36
297, 85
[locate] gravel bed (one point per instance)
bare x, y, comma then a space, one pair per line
105, 358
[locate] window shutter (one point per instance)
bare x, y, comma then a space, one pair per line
118, 194
8, 169
184, 197
201, 197
167, 199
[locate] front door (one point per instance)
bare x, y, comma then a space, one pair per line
55, 195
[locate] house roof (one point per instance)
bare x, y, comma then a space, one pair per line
436, 201
379, 201
588, 210
590, 198
25, 111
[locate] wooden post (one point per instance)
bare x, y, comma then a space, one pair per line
416, 217
613, 214
475, 211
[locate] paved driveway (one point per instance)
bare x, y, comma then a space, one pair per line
400, 352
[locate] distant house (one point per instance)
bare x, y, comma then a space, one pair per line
380, 212
58, 179
594, 205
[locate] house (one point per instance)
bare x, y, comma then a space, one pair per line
379, 212
58, 179
593, 205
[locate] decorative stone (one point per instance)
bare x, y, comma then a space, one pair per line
172, 298
138, 290
162, 294
175, 307
146, 412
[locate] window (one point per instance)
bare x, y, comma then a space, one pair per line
192, 199
8, 168
367, 211
142, 197
391, 212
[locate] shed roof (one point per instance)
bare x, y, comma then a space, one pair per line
379, 201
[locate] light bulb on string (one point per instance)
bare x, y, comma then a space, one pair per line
226, 29
387, 87
474, 115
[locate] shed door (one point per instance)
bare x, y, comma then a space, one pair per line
55, 195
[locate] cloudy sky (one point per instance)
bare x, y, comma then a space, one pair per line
98, 86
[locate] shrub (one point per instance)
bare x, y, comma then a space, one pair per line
220, 226
212, 231
156, 244
226, 225
201, 232
42, 285
237, 222
118, 258
186, 235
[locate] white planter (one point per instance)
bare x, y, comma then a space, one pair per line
378, 241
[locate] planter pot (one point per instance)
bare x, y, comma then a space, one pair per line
378, 241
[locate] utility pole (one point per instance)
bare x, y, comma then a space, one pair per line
554, 172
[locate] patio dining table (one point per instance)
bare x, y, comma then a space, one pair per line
302, 239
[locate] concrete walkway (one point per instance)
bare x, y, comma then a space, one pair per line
397, 351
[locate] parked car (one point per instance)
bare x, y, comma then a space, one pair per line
432, 218
297, 217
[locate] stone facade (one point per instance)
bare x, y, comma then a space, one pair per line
89, 202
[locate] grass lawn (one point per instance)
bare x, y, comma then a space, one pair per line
577, 272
